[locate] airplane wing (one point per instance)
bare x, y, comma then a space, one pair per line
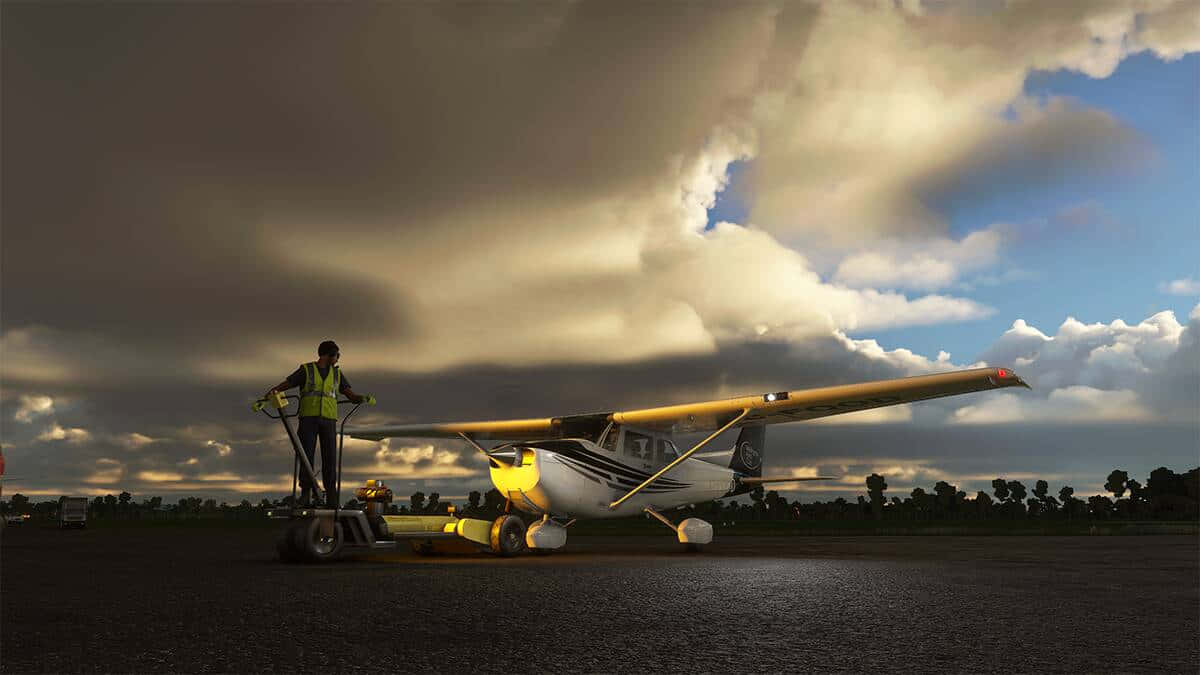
510, 430
809, 404
770, 408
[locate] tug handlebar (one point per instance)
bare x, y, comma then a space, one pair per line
279, 401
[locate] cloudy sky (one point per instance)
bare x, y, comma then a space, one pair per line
530, 210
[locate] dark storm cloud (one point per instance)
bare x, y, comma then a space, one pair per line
148, 147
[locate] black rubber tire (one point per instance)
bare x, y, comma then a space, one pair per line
283, 543
508, 536
307, 542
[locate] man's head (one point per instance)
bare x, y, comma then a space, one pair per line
328, 352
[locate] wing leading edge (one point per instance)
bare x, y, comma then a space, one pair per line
773, 408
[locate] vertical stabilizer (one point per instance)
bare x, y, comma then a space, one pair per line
749, 450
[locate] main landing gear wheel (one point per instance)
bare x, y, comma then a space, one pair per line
309, 545
508, 536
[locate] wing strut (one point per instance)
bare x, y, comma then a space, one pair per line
679, 459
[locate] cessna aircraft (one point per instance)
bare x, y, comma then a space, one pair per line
614, 464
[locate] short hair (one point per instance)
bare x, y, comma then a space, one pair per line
327, 347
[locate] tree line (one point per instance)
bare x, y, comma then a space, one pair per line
1166, 495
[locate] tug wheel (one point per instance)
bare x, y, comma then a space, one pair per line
508, 536
284, 545
311, 546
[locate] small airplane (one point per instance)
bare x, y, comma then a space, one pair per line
621, 463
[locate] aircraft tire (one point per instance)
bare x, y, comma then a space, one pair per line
508, 536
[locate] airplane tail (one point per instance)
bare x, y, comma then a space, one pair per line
749, 449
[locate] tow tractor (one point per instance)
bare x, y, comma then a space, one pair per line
324, 534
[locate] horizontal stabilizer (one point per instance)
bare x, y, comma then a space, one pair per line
755, 480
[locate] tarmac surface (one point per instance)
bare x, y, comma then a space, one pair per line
211, 599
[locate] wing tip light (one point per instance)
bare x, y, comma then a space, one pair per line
1006, 377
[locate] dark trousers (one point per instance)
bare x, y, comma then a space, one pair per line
310, 429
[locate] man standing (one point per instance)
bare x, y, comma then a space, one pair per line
320, 382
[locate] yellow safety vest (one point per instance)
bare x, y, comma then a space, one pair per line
318, 397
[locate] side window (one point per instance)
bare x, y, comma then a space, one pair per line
639, 446
666, 451
610, 441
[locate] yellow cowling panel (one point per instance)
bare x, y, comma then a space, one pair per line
513, 478
473, 529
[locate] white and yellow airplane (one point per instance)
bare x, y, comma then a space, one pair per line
615, 464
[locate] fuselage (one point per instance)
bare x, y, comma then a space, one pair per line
576, 478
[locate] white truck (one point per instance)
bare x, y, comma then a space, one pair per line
72, 512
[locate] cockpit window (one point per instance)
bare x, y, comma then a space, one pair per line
667, 452
639, 446
610, 440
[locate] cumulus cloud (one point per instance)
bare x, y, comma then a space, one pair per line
57, 432
106, 471
33, 406
1066, 405
1184, 286
223, 449
224, 476
1107, 356
838, 130
159, 476
889, 415
1095, 372
902, 360
924, 264
135, 440
421, 461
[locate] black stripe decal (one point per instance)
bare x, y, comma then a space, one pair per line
632, 482
600, 462
647, 490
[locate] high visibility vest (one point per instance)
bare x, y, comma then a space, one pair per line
318, 396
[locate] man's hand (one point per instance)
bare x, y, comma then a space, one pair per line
282, 386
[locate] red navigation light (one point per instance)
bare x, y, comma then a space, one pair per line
1003, 373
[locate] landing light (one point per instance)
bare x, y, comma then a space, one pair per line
777, 396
